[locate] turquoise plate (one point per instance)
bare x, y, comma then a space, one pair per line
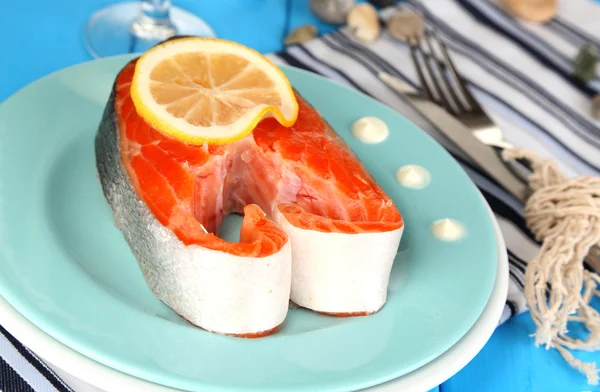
67, 268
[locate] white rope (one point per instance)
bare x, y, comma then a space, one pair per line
565, 215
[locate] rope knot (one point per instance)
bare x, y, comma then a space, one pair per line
555, 198
576, 200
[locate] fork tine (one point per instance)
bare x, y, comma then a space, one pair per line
450, 66
413, 53
434, 80
445, 81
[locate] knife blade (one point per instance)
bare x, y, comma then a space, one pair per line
484, 155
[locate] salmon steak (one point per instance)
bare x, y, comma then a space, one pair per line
317, 229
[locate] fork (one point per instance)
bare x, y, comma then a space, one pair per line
441, 90
467, 110
471, 114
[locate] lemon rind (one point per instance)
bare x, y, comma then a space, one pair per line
159, 118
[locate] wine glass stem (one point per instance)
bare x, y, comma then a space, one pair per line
157, 11
154, 21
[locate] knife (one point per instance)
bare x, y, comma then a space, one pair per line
485, 156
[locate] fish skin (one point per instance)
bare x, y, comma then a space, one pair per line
222, 293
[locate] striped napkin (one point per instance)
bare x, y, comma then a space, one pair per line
520, 72
23, 371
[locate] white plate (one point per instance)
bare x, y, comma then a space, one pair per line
92, 376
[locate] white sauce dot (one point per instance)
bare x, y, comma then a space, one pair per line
448, 230
370, 130
413, 176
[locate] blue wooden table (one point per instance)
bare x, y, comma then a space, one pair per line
42, 36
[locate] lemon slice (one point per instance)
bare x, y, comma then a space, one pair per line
209, 90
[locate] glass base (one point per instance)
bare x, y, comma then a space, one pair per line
109, 31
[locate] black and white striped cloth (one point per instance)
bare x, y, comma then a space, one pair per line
521, 73
22, 371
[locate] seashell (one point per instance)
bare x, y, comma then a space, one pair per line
402, 25
300, 34
383, 3
363, 22
585, 63
596, 109
533, 10
331, 11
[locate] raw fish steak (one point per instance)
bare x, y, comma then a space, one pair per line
317, 229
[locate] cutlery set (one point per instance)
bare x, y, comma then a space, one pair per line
446, 102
